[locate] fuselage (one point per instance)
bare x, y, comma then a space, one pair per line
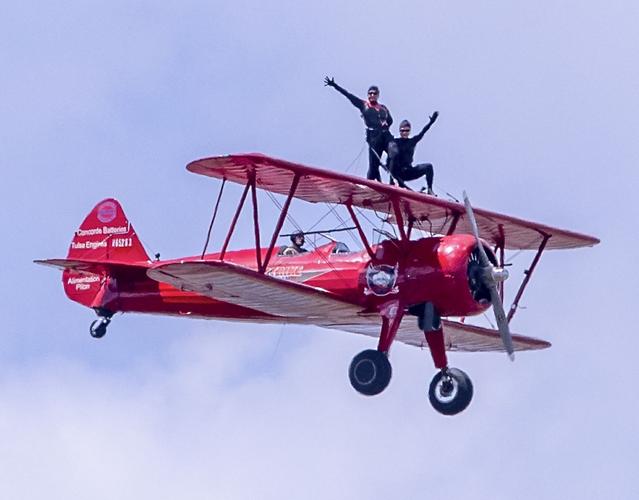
426, 270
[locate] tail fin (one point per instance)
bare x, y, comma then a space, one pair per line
106, 235
103, 250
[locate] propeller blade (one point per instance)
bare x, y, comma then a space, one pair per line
489, 280
502, 322
473, 224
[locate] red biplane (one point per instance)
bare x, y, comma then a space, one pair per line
445, 260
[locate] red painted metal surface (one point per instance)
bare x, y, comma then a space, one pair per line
435, 340
392, 314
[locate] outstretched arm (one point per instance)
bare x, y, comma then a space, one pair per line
355, 101
419, 136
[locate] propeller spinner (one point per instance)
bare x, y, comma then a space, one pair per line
492, 275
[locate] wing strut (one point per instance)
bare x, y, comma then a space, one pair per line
528, 273
217, 205
280, 222
234, 221
400, 219
360, 230
256, 220
501, 245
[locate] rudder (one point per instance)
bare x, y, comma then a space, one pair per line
106, 239
107, 235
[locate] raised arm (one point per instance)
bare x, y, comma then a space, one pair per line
355, 101
419, 136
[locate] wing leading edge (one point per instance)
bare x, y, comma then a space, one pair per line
460, 337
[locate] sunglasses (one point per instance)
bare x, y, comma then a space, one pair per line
404, 130
373, 93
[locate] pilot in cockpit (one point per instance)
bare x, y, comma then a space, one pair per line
297, 245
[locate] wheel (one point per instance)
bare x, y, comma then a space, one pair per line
450, 391
98, 328
370, 372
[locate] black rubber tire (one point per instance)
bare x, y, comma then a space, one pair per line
459, 399
370, 372
98, 329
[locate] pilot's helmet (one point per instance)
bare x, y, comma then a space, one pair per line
297, 235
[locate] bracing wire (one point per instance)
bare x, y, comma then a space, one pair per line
355, 159
379, 235
514, 256
489, 322
333, 210
312, 243
446, 192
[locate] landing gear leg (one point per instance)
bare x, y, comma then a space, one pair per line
451, 390
430, 323
98, 327
370, 371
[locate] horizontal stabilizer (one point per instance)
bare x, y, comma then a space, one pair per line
94, 266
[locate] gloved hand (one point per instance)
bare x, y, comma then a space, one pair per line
329, 82
434, 116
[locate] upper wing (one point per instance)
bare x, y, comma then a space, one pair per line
245, 287
434, 214
458, 336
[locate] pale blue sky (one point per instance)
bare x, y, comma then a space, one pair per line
539, 118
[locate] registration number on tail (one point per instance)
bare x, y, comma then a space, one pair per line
121, 242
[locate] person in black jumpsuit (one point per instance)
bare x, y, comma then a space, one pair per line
400, 156
377, 119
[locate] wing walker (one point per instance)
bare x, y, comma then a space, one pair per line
446, 260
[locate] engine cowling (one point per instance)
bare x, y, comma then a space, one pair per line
445, 270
